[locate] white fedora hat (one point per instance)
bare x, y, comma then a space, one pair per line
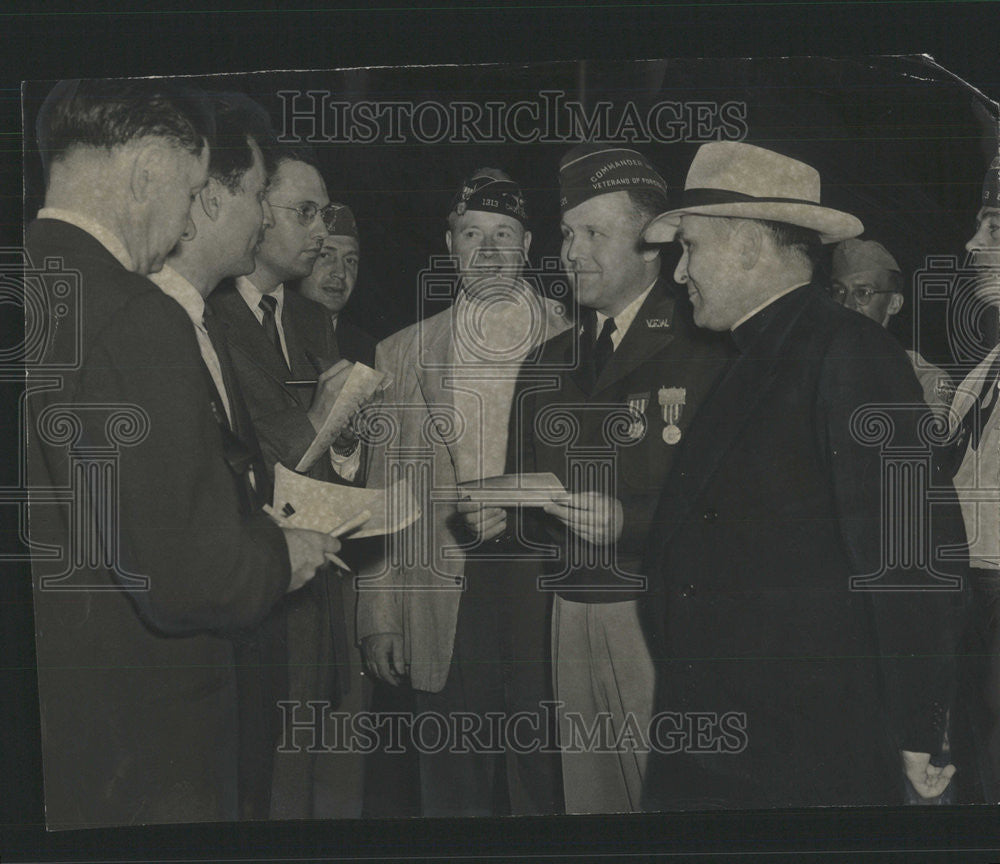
729, 178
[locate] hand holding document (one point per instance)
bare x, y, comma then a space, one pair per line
513, 490
361, 385
331, 508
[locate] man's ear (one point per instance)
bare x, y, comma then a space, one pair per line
749, 237
447, 240
211, 198
150, 167
527, 244
895, 304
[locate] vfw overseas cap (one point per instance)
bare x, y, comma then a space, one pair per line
339, 221
597, 169
481, 191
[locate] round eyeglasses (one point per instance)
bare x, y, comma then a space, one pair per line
308, 212
862, 296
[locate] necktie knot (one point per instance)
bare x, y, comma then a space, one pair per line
268, 304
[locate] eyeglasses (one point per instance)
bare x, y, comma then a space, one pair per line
862, 296
308, 212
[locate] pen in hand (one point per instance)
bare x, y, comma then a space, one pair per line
281, 522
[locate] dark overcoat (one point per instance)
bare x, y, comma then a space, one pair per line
135, 634
781, 682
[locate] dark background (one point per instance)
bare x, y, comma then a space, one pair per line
898, 141
908, 160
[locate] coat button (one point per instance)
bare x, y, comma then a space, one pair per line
710, 515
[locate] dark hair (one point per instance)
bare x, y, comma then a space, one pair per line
112, 112
647, 203
279, 153
238, 121
794, 237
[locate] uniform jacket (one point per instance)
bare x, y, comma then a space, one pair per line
137, 681
619, 414
773, 504
419, 598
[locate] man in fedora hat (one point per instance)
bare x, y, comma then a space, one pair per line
783, 678
865, 277
636, 356
975, 426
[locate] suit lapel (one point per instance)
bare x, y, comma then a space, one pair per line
304, 364
245, 335
433, 365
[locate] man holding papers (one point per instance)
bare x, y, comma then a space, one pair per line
626, 382
143, 641
467, 629
277, 337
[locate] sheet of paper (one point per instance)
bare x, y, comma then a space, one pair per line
319, 506
362, 382
514, 490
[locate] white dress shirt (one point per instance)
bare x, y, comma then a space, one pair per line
171, 283
624, 319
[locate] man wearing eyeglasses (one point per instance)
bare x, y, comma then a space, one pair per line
867, 279
280, 343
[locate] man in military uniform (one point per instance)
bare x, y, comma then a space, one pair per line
631, 378
333, 278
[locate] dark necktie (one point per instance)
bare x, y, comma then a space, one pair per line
242, 450
603, 347
269, 306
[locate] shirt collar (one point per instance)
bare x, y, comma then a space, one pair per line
171, 283
95, 229
767, 303
251, 294
624, 319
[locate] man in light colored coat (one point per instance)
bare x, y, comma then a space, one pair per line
468, 631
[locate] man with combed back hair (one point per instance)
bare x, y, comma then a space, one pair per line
165, 572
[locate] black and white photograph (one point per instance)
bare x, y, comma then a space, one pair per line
508, 447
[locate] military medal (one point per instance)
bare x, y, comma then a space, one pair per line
672, 404
637, 403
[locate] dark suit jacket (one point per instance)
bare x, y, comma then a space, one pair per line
662, 348
137, 687
772, 505
279, 415
279, 411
